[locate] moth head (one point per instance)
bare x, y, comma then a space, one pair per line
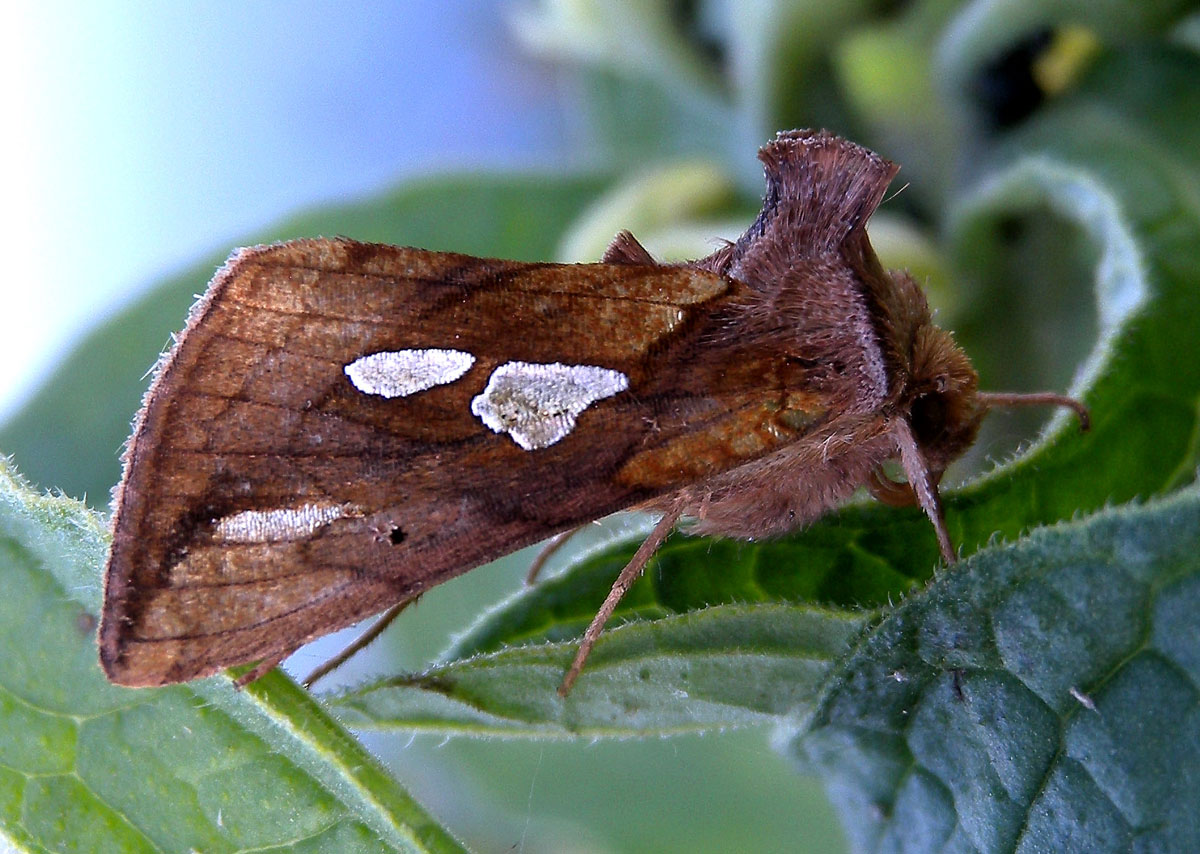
942, 396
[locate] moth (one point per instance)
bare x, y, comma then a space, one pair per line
342, 426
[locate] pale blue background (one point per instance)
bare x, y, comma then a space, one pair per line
142, 136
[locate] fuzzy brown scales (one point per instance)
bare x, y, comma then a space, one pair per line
267, 500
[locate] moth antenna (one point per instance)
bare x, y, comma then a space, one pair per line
923, 484
548, 551
359, 643
1037, 398
620, 587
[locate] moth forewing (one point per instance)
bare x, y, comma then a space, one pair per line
344, 425
330, 435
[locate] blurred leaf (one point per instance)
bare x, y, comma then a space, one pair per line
1109, 173
778, 60
1043, 696
69, 435
983, 31
666, 195
649, 78
712, 79
886, 71
632, 119
89, 766
645, 39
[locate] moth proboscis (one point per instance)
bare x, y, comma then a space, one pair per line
342, 426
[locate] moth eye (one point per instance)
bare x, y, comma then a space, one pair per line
397, 535
928, 418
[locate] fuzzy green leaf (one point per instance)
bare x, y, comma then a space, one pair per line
710, 669
90, 766
1042, 696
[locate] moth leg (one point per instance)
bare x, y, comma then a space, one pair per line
377, 628
625, 249
620, 587
548, 551
924, 485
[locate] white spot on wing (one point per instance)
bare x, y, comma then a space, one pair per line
537, 404
271, 526
399, 373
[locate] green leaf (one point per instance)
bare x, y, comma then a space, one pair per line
1113, 167
671, 194
73, 447
707, 670
686, 574
88, 766
1042, 696
646, 84
887, 72
639, 38
683, 79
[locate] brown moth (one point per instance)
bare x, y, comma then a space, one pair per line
343, 426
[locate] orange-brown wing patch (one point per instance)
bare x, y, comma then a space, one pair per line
746, 433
